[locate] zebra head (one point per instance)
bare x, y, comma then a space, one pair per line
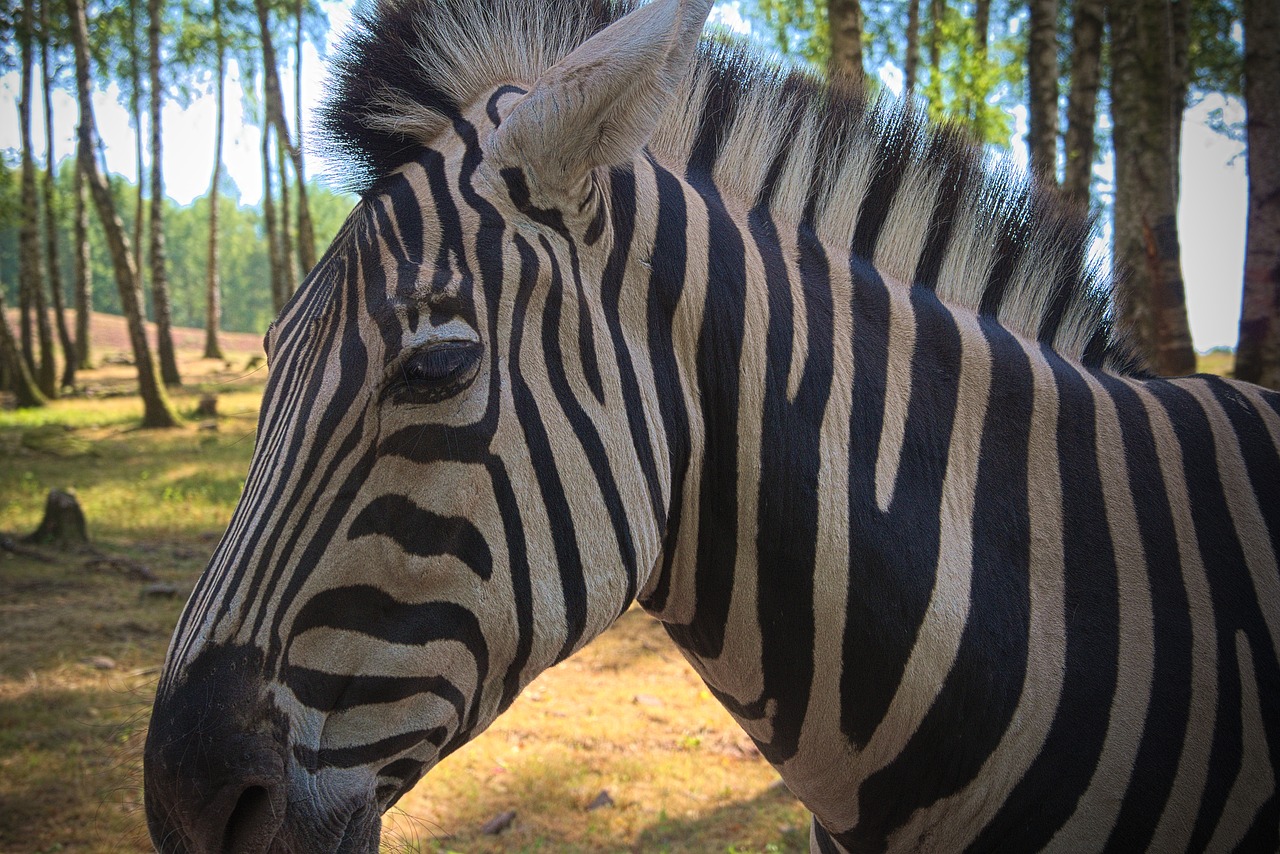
458, 478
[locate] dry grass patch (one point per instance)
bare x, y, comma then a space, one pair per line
626, 716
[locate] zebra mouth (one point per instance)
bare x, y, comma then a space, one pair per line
362, 834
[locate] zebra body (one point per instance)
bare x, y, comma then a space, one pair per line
829, 399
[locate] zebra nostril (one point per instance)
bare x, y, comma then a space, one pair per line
253, 822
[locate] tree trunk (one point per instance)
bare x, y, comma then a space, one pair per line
1152, 299
1258, 355
26, 236
32, 264
844, 21
1180, 33
288, 272
213, 280
981, 26
135, 107
26, 316
23, 384
306, 234
69, 359
269, 220
1042, 83
298, 8
159, 276
157, 412
912, 64
275, 116
1082, 101
84, 271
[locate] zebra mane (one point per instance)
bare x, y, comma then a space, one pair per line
919, 201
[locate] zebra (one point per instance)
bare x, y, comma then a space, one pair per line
629, 315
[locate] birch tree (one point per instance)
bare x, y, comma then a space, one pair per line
159, 278
1082, 98
157, 411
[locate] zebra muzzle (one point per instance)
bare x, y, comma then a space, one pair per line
215, 759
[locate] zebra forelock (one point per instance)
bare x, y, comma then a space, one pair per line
921, 201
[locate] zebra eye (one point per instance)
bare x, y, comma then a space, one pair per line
437, 372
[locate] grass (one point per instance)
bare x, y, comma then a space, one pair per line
628, 717
1219, 360
80, 650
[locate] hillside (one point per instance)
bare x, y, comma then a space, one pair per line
109, 335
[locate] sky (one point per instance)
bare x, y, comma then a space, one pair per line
1211, 215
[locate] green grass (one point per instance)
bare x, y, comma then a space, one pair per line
682, 776
132, 484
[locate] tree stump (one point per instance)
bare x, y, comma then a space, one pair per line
63, 525
208, 406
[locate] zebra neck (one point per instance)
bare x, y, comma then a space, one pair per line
816, 519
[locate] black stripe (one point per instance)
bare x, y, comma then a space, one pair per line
1156, 763
596, 229
491, 108
364, 754
585, 430
429, 443
406, 240
668, 260
518, 189
1064, 289
406, 772
982, 689
1048, 792
521, 580
421, 533
340, 692
451, 255
895, 149
952, 155
1011, 240
792, 102
891, 576
718, 358
559, 516
622, 205
1260, 456
826, 845
790, 458
367, 610
714, 119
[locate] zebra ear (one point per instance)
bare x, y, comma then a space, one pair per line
599, 105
